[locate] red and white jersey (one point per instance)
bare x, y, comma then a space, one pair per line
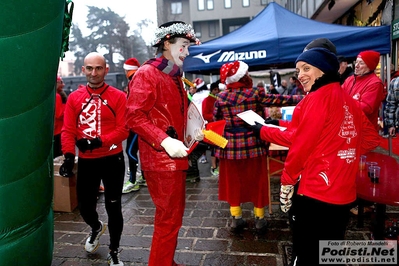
95, 113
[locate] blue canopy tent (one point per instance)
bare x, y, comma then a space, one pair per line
275, 38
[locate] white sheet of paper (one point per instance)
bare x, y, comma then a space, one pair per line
251, 117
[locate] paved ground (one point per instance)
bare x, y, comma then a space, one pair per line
204, 238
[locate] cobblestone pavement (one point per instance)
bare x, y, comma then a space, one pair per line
204, 238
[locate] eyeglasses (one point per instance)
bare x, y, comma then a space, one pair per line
60, 82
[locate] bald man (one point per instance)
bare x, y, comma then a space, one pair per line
94, 121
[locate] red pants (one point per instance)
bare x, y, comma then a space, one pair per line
168, 192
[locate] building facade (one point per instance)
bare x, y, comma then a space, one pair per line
211, 18
214, 18
353, 13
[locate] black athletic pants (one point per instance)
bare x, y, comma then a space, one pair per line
312, 221
111, 170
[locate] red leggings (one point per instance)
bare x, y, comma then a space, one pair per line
168, 192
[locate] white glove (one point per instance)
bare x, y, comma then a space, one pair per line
198, 135
286, 192
174, 147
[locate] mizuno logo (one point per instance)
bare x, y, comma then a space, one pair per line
241, 56
230, 56
206, 58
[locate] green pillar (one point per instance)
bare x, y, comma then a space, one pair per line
30, 48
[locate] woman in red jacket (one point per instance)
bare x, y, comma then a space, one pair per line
327, 135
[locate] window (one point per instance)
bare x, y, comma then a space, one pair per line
209, 4
245, 3
212, 29
263, 2
201, 4
197, 28
233, 28
176, 7
227, 3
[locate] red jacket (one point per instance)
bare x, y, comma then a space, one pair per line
59, 114
207, 107
156, 105
103, 117
368, 91
326, 137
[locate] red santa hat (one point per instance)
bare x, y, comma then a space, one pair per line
199, 82
233, 72
131, 64
371, 58
59, 78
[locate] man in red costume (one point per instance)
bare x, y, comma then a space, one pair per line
94, 121
158, 114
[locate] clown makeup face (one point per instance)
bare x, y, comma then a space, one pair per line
307, 74
360, 67
177, 51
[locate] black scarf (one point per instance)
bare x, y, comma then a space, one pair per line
327, 78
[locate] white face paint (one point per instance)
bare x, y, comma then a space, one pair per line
179, 51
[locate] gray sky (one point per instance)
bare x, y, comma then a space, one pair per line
133, 10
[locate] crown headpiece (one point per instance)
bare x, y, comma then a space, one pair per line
175, 29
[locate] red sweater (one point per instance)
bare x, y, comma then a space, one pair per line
90, 116
368, 91
207, 107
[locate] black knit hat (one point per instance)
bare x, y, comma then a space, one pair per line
321, 43
321, 58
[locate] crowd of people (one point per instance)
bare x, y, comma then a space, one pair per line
333, 123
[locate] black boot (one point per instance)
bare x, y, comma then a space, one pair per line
260, 226
237, 225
